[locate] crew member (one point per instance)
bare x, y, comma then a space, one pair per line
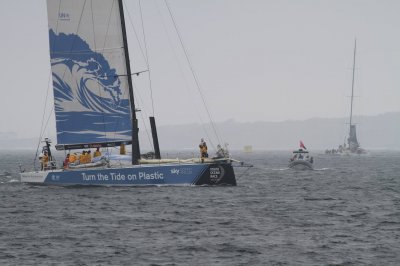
122, 149
203, 149
72, 158
97, 153
82, 157
66, 162
88, 156
45, 161
220, 152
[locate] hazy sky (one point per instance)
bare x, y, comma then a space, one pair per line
255, 60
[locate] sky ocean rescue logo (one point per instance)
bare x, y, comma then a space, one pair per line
181, 171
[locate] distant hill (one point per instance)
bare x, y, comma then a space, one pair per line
374, 132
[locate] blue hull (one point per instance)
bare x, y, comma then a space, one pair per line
169, 174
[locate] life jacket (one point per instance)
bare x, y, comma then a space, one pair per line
203, 149
122, 149
45, 160
83, 158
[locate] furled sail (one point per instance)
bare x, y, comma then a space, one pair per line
91, 98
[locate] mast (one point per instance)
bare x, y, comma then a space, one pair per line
135, 129
155, 137
352, 84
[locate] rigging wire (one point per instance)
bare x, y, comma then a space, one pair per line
125, 91
134, 30
44, 113
44, 126
141, 113
193, 72
144, 54
147, 56
133, 83
187, 86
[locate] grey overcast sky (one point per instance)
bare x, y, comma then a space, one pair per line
256, 60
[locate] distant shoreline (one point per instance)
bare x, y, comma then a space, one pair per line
378, 132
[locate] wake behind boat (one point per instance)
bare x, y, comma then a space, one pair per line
95, 108
301, 159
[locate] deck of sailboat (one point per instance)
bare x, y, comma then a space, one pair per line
125, 161
142, 163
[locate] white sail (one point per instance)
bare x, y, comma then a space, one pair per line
89, 72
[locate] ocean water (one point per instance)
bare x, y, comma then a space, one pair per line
346, 212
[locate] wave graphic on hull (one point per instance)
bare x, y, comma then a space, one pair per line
89, 102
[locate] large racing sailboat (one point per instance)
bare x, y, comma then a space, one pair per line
95, 107
353, 146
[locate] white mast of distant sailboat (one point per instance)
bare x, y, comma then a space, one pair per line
352, 84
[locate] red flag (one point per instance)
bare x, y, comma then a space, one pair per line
302, 145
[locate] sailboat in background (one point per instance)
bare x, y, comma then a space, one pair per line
95, 108
353, 146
